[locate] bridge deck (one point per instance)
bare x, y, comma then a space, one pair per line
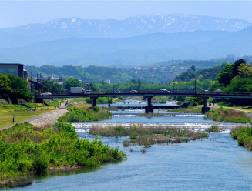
147, 93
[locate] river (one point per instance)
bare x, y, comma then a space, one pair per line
216, 163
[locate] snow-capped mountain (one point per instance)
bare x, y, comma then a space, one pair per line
132, 41
133, 26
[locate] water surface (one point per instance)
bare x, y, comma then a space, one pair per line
216, 163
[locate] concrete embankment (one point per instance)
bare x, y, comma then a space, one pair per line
44, 119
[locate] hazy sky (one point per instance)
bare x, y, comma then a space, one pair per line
15, 13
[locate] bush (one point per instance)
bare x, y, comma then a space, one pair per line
243, 136
76, 114
24, 148
96, 109
40, 163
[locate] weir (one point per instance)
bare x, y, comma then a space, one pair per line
195, 126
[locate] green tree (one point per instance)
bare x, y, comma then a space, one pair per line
19, 89
245, 70
236, 66
47, 86
5, 86
187, 75
57, 87
193, 68
226, 75
71, 82
240, 85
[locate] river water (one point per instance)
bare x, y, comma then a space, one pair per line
216, 163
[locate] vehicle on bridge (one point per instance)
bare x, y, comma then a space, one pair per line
133, 91
88, 92
117, 91
164, 91
46, 94
77, 90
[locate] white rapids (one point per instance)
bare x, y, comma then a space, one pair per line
84, 127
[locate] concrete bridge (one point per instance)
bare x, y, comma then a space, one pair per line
149, 94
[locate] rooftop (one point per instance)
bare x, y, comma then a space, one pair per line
11, 64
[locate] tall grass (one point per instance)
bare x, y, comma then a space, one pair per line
243, 136
228, 115
148, 136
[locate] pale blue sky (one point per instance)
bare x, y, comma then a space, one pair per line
15, 13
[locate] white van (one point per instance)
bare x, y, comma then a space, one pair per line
164, 91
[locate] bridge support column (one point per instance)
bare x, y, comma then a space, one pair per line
205, 108
93, 101
38, 100
149, 107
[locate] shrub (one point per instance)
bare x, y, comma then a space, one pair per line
40, 163
96, 108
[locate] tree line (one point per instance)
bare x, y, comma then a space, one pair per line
13, 88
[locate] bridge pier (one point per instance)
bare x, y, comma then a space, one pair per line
149, 107
93, 101
39, 100
205, 108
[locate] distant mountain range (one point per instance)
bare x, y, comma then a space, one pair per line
137, 40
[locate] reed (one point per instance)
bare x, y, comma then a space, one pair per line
138, 135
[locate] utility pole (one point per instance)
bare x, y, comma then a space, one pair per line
40, 80
195, 86
37, 82
139, 85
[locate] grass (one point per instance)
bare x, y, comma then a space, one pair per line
214, 128
243, 136
21, 112
228, 115
190, 109
142, 136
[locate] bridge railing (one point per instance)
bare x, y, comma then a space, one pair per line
172, 92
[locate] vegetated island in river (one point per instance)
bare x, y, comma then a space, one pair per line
147, 136
26, 150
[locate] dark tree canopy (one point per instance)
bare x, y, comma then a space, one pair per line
19, 89
71, 82
226, 75
236, 65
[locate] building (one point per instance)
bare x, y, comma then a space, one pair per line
12, 68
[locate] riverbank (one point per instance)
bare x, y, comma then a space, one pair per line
223, 114
45, 119
11, 114
26, 149
243, 135
83, 113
